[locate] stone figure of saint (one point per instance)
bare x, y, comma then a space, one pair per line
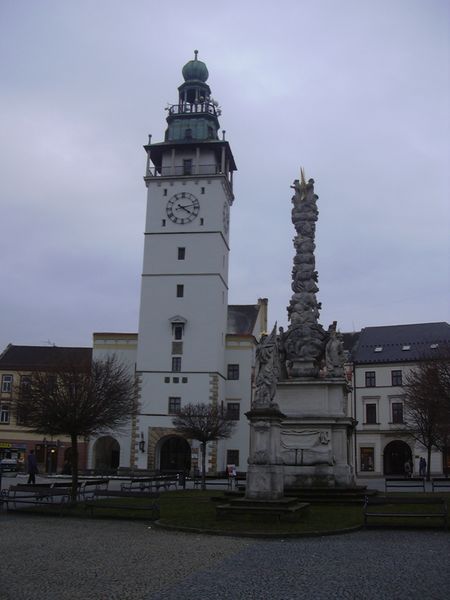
334, 354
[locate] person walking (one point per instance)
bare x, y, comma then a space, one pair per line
422, 467
32, 467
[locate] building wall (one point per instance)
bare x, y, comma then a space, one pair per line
377, 435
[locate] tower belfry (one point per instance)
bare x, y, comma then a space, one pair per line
184, 291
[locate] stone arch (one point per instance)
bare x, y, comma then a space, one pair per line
106, 453
395, 455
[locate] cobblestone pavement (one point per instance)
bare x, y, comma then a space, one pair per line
44, 558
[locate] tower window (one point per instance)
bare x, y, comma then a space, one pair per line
165, 191
180, 290
202, 190
201, 221
187, 166
233, 411
174, 405
233, 372
176, 364
233, 457
181, 253
163, 223
177, 330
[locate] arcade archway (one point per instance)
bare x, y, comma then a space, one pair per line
174, 455
106, 454
396, 454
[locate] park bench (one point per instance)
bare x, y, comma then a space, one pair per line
228, 483
102, 499
440, 482
88, 486
36, 495
150, 483
408, 484
376, 507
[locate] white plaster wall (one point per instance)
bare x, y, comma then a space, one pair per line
204, 308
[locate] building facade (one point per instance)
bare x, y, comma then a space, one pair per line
16, 439
381, 358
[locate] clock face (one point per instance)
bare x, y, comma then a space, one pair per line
182, 208
226, 217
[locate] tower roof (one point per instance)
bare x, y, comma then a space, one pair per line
195, 70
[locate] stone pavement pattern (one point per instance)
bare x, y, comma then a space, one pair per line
69, 559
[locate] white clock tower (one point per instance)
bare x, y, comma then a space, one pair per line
184, 293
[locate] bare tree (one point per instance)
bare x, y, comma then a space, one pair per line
427, 404
78, 400
204, 423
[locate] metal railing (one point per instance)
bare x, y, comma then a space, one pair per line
194, 108
180, 170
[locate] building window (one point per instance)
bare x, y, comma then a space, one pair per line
174, 405
187, 166
370, 379
367, 459
163, 222
233, 411
202, 221
4, 413
397, 412
203, 190
184, 380
165, 192
396, 377
233, 372
177, 331
181, 253
166, 379
188, 134
176, 364
371, 413
7, 382
233, 457
180, 290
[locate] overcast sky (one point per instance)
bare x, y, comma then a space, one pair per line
356, 92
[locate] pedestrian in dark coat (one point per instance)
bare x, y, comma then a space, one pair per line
32, 467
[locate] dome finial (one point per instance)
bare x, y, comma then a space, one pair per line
195, 52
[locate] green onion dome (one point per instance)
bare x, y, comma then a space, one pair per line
195, 69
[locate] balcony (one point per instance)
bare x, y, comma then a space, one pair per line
186, 108
180, 170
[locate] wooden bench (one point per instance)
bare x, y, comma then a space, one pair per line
440, 482
89, 486
228, 483
372, 502
101, 499
36, 495
143, 483
411, 482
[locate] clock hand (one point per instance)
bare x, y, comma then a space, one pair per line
181, 207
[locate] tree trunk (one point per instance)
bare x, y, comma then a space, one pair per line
74, 466
428, 462
203, 465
